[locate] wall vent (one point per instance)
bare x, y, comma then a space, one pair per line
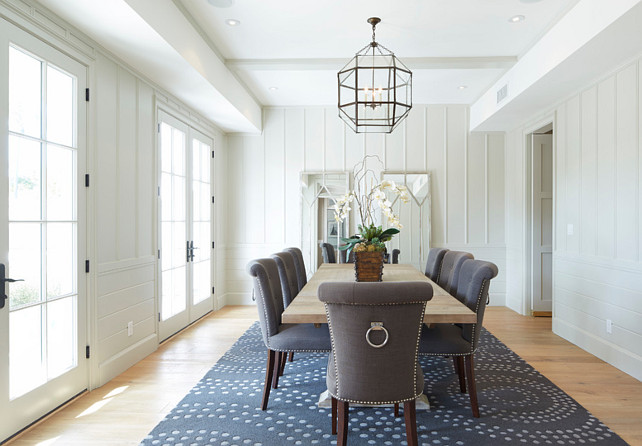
502, 93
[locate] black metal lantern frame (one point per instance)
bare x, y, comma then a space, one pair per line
375, 89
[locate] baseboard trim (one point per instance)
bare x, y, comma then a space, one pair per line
608, 352
117, 364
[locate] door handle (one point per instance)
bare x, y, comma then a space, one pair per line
3, 280
192, 248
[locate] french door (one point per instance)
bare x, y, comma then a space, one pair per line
42, 229
185, 225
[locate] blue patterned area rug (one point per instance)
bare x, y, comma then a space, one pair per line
518, 406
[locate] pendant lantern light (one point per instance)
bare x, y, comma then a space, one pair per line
375, 89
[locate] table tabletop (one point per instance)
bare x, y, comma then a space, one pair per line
307, 308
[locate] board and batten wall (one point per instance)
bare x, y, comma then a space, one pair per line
264, 214
597, 270
125, 208
121, 217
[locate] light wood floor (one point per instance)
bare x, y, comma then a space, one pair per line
123, 411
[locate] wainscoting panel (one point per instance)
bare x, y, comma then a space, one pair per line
597, 269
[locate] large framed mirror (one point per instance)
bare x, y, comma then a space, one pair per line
414, 239
319, 193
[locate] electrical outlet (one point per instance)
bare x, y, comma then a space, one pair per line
130, 328
609, 326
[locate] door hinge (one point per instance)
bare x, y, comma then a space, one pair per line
86, 180
87, 94
212, 154
87, 352
158, 317
213, 245
159, 191
158, 127
86, 266
159, 254
213, 290
212, 200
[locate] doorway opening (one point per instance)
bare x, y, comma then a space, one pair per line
540, 242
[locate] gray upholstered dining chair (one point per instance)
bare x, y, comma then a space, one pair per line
280, 338
433, 264
286, 265
375, 328
395, 255
299, 266
346, 258
327, 251
461, 341
450, 267
287, 274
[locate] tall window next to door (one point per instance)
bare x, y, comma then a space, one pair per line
42, 221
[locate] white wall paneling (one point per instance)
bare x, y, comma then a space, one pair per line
597, 270
263, 182
121, 209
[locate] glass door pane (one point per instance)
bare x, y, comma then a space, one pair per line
201, 221
173, 221
42, 222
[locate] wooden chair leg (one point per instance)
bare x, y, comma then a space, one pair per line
458, 361
342, 437
472, 388
291, 358
334, 416
410, 414
282, 365
277, 369
269, 370
396, 410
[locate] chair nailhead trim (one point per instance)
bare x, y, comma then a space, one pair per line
336, 372
414, 369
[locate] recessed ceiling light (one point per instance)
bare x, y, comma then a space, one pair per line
463, 87
221, 3
233, 22
273, 88
517, 18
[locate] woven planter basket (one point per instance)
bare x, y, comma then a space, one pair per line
368, 266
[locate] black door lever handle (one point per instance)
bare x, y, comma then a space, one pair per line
3, 280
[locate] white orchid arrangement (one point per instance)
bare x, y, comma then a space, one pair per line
371, 237
365, 203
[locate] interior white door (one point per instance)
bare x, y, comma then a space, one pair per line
42, 229
542, 227
185, 225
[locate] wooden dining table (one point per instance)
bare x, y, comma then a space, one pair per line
307, 308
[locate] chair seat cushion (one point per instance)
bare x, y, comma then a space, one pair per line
368, 392
301, 338
443, 339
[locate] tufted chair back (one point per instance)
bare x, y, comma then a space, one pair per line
450, 267
327, 251
395, 255
472, 291
267, 292
287, 274
433, 264
358, 371
299, 266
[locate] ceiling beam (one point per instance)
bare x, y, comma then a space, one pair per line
414, 63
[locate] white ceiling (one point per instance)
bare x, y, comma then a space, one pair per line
298, 46
419, 32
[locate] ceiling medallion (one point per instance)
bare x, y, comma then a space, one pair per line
375, 89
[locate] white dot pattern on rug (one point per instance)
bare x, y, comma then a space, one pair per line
518, 406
